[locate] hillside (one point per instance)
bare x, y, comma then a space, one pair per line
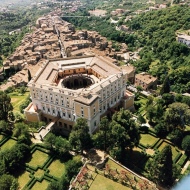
161, 53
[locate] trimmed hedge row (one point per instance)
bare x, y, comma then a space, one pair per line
4, 140
158, 144
182, 160
176, 159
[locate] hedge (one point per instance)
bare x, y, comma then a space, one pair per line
182, 160
177, 157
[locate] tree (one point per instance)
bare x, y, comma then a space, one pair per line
5, 106
79, 137
22, 89
61, 146
177, 115
161, 167
149, 101
186, 144
72, 168
165, 86
21, 130
15, 157
161, 129
57, 144
150, 114
176, 136
50, 140
124, 133
141, 119
7, 182
4, 126
101, 139
168, 98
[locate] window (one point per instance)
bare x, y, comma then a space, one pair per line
43, 108
70, 127
82, 112
65, 125
48, 110
94, 123
94, 110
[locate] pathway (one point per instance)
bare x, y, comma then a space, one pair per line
45, 130
185, 167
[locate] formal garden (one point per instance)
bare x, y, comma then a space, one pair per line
40, 168
113, 176
149, 146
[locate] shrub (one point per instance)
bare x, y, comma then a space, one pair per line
186, 144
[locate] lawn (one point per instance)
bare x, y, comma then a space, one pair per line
104, 183
1, 137
23, 179
39, 173
38, 186
8, 144
17, 99
147, 139
38, 158
174, 151
57, 168
142, 102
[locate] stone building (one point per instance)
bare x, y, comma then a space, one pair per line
69, 88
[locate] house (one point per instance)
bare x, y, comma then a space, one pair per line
183, 38
146, 81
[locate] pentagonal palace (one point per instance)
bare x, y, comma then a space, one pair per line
66, 89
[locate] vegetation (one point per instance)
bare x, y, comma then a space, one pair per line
121, 133
79, 137
5, 107
161, 168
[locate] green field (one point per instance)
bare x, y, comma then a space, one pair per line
38, 159
40, 185
104, 183
174, 151
1, 137
39, 173
8, 144
147, 139
57, 168
17, 99
23, 179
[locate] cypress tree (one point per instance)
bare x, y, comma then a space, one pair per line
166, 86
161, 168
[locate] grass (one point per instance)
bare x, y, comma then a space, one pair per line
38, 158
8, 144
57, 168
39, 173
23, 179
142, 102
17, 99
1, 137
147, 139
40, 185
174, 151
104, 183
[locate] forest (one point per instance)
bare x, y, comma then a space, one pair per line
154, 32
